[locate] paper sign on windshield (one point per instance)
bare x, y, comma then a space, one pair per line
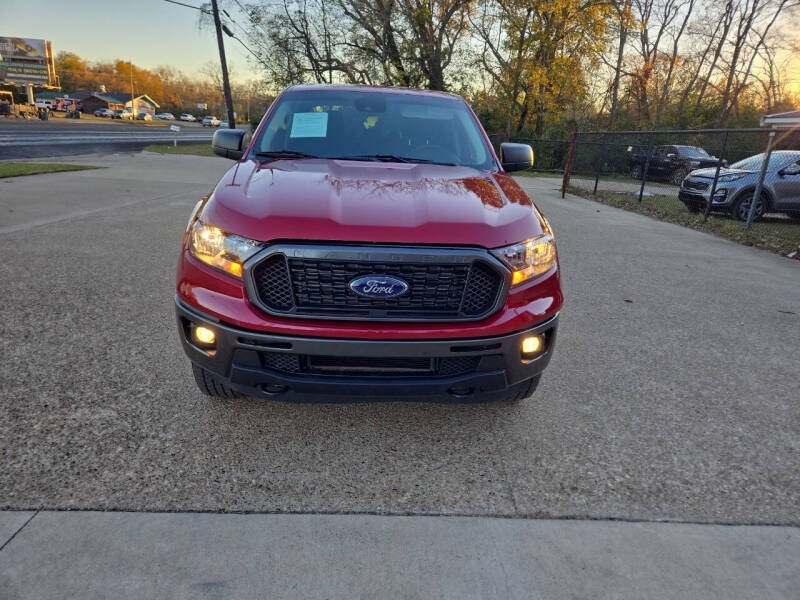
309, 125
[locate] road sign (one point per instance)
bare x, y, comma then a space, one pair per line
175, 128
202, 105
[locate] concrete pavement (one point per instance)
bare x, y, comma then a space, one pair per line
92, 555
672, 393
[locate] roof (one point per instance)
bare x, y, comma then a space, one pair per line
114, 97
791, 117
350, 87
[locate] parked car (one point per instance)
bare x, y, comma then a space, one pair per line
122, 114
48, 104
210, 121
223, 124
416, 266
737, 184
144, 116
672, 163
187, 117
165, 116
104, 112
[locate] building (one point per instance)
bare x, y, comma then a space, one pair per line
91, 101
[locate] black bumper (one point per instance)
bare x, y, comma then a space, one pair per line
244, 360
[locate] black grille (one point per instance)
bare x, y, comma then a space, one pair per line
369, 365
695, 185
281, 361
272, 281
458, 365
321, 287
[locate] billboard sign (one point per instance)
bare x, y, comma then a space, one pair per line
26, 60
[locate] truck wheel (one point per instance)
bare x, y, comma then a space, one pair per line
678, 176
523, 389
636, 172
210, 385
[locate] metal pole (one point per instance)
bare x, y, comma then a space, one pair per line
760, 186
568, 167
716, 177
133, 108
646, 169
597, 165
226, 85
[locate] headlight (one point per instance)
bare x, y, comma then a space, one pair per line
730, 177
223, 251
529, 259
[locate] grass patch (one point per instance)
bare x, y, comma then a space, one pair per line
573, 176
777, 233
193, 149
14, 169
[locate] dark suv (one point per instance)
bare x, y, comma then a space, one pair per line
672, 163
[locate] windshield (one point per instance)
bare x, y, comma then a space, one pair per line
692, 151
375, 126
753, 163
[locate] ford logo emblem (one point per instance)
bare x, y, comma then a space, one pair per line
379, 286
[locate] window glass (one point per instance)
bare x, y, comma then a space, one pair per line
360, 124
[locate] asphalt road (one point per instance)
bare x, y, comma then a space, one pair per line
672, 394
68, 137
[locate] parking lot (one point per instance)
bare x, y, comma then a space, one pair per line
672, 394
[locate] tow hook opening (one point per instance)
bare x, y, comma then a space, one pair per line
461, 391
274, 389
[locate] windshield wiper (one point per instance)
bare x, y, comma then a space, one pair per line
284, 154
395, 158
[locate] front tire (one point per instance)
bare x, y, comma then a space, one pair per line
741, 208
678, 175
210, 385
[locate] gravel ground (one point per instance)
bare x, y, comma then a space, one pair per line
672, 394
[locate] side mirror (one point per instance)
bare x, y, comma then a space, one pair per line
724, 163
516, 157
227, 143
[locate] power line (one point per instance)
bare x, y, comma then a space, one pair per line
200, 8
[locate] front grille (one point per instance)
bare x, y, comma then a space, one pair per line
692, 184
311, 286
369, 365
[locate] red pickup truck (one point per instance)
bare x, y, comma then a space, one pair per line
368, 242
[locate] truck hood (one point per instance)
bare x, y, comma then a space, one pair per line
357, 201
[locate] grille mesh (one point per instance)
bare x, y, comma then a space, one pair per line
695, 185
369, 365
458, 365
272, 280
321, 287
481, 289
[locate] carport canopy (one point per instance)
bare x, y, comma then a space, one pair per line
783, 119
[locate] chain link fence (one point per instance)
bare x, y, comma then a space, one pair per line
704, 179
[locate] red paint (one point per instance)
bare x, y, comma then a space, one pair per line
353, 201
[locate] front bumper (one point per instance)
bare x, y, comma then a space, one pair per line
240, 360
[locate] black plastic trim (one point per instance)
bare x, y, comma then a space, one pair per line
378, 254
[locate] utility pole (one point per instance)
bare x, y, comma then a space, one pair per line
133, 108
226, 85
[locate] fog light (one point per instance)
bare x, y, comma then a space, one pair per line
531, 346
204, 335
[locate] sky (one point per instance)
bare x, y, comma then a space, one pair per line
148, 32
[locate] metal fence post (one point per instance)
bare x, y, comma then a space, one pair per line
597, 164
646, 169
716, 177
568, 167
760, 185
